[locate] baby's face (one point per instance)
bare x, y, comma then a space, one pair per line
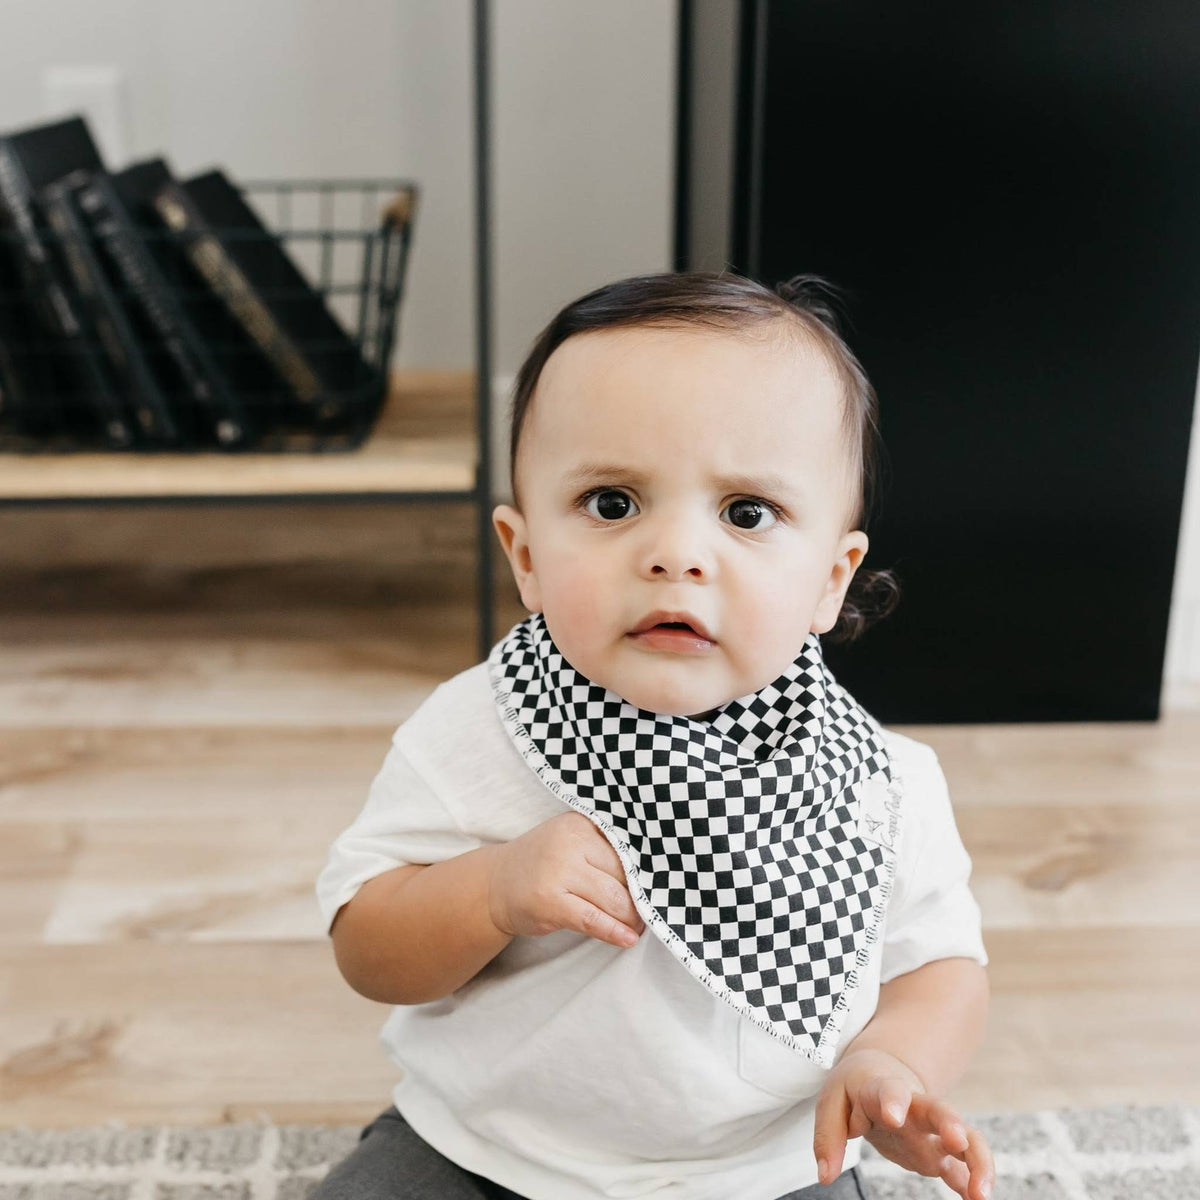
694, 434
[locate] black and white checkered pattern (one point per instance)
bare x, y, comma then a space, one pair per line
738, 836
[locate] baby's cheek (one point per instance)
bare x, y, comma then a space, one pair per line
772, 632
581, 596
770, 610
580, 612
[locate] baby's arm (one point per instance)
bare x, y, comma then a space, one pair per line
932, 1019
417, 933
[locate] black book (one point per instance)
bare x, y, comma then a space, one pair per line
248, 268
12, 395
35, 376
29, 159
14, 399
118, 339
216, 413
259, 388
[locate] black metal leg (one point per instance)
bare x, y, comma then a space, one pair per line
483, 378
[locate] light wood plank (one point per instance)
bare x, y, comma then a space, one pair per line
163, 1030
128, 680
382, 465
390, 460
1085, 762
179, 1032
127, 774
157, 855
1088, 1017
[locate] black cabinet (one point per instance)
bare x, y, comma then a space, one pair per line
1010, 194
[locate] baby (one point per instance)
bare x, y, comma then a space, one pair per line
660, 909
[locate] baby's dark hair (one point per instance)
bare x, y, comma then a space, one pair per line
728, 301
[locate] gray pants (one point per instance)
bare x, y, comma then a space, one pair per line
391, 1162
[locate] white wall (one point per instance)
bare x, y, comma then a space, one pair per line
583, 154
583, 113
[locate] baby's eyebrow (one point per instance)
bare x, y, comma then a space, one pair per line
766, 482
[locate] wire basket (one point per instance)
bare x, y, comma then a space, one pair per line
347, 241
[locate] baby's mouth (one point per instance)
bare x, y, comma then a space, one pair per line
673, 635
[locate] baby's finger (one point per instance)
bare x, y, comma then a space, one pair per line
956, 1174
981, 1165
585, 917
830, 1131
938, 1117
860, 1121
599, 851
611, 894
972, 1173
889, 1104
952, 1129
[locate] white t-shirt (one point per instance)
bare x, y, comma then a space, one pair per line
571, 1069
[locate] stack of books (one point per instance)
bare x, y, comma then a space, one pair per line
141, 311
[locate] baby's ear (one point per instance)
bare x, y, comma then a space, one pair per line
510, 528
848, 556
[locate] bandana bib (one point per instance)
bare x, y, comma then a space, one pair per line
759, 847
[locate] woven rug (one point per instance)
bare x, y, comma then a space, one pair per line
1121, 1152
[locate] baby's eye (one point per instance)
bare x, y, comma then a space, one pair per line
613, 505
754, 508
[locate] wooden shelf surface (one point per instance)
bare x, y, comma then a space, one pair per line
424, 442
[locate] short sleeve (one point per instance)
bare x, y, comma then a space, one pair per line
932, 913
403, 821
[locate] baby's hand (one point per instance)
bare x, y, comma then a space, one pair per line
926, 1135
562, 874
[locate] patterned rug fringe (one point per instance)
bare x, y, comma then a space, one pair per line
1119, 1152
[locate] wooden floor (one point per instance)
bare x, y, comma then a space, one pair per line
193, 702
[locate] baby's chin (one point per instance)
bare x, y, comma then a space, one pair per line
683, 711
643, 686
656, 705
